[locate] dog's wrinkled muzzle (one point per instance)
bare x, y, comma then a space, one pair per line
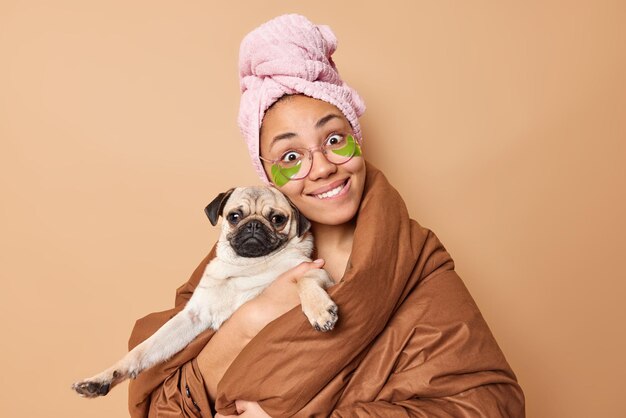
254, 239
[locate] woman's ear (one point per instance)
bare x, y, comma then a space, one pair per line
215, 209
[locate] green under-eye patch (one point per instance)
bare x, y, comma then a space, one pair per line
282, 176
350, 149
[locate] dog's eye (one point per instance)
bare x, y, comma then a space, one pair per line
233, 218
278, 220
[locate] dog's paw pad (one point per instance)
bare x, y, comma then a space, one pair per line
104, 389
91, 389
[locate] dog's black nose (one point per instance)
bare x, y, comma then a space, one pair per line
253, 226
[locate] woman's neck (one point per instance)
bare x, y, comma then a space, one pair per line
333, 237
333, 243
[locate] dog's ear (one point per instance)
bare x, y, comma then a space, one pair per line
216, 207
302, 223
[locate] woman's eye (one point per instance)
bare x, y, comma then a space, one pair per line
335, 140
291, 156
233, 218
278, 219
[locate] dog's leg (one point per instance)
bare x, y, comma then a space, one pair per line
172, 337
318, 307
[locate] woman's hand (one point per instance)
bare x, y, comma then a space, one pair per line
277, 299
246, 409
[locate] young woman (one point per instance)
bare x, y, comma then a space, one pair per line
409, 342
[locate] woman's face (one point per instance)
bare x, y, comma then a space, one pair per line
302, 122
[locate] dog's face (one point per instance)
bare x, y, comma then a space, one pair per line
257, 220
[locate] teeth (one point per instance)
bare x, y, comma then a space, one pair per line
330, 193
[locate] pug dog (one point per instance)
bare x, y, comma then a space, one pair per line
263, 235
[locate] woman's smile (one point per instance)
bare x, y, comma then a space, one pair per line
335, 190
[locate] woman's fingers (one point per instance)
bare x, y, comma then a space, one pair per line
248, 409
299, 270
283, 290
241, 406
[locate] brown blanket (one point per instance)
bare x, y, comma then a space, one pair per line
410, 340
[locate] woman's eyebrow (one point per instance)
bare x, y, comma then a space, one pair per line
286, 135
320, 123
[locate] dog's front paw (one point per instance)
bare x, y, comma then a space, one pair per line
321, 311
92, 388
326, 321
101, 384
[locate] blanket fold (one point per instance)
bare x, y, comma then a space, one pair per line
409, 339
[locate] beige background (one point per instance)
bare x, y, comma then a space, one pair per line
503, 126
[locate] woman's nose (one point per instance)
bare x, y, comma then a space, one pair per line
320, 166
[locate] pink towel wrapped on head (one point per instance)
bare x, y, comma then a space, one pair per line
289, 55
